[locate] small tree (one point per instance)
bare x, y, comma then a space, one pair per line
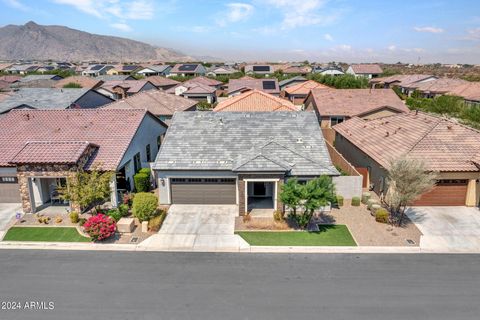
291, 194
407, 180
87, 189
318, 192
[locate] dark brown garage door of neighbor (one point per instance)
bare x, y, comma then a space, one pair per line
445, 193
203, 191
9, 190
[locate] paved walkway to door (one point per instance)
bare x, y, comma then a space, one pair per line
455, 228
198, 227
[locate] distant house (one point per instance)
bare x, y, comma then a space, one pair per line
447, 148
291, 82
122, 89
328, 71
221, 71
52, 98
334, 106
263, 69
40, 149
115, 77
4, 66
155, 70
161, 104
10, 79
162, 83
297, 69
188, 69
82, 81
199, 88
299, 92
255, 101
21, 69
96, 70
469, 91
437, 87
405, 82
37, 81
34, 77
124, 69
365, 70
43, 69
239, 86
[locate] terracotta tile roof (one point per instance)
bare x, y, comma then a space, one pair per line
193, 88
304, 88
53, 152
84, 82
160, 81
295, 70
111, 130
244, 83
255, 101
469, 91
157, 102
366, 68
132, 86
402, 79
442, 85
355, 102
4, 66
10, 79
442, 144
203, 80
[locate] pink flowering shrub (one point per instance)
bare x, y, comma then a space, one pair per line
100, 227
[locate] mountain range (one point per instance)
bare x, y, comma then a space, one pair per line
32, 41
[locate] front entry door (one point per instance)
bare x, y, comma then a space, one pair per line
259, 189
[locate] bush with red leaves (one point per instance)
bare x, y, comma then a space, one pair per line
100, 227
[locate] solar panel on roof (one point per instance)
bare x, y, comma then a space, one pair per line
187, 67
129, 67
261, 68
97, 67
269, 85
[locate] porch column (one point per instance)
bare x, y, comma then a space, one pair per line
471, 198
114, 193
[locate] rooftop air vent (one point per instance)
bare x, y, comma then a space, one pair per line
299, 140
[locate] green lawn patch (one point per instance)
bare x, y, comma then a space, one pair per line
329, 235
47, 234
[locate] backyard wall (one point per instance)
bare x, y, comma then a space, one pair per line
348, 186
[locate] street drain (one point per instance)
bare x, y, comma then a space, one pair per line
410, 241
134, 240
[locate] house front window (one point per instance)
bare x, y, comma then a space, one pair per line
336, 120
148, 153
136, 162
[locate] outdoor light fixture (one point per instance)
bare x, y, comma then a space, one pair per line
163, 182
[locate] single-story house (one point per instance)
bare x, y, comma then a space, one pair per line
437, 87
96, 70
291, 82
365, 70
155, 70
37, 81
10, 79
299, 70
82, 81
4, 66
299, 92
21, 68
334, 106
402, 81
115, 77
328, 71
255, 101
221, 71
198, 88
469, 91
40, 149
122, 89
264, 69
239, 86
53, 98
240, 158
162, 83
158, 102
34, 77
188, 69
447, 148
124, 69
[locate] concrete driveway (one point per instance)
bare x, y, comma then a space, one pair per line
454, 228
202, 227
7, 213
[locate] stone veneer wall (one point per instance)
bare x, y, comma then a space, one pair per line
241, 189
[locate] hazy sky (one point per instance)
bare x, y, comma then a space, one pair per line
318, 30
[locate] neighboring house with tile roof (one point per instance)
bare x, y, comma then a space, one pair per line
188, 69
39, 149
449, 149
299, 92
121, 89
239, 158
469, 91
264, 69
163, 83
438, 87
21, 68
10, 79
239, 86
155, 70
115, 77
221, 71
402, 81
291, 82
96, 70
255, 101
158, 102
299, 70
4, 66
334, 106
365, 70
124, 69
82, 81
53, 98
328, 71
34, 77
198, 88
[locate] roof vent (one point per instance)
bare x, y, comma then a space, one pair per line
387, 134
299, 140
308, 147
449, 127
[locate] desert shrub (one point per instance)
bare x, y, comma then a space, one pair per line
142, 182
58, 219
155, 223
266, 224
247, 217
381, 215
81, 221
123, 209
100, 227
144, 206
365, 197
43, 219
114, 214
355, 201
374, 208
278, 215
340, 201
73, 85
74, 217
371, 202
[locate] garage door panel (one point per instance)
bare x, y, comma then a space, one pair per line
444, 194
205, 191
9, 189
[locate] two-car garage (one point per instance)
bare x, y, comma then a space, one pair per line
203, 190
451, 192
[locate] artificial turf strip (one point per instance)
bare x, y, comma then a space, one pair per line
329, 235
46, 234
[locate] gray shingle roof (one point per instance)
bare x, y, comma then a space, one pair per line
289, 142
35, 77
42, 98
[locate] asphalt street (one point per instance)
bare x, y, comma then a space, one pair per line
144, 285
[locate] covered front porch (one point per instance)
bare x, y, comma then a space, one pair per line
45, 197
261, 195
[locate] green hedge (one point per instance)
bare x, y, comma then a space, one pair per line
142, 182
144, 206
